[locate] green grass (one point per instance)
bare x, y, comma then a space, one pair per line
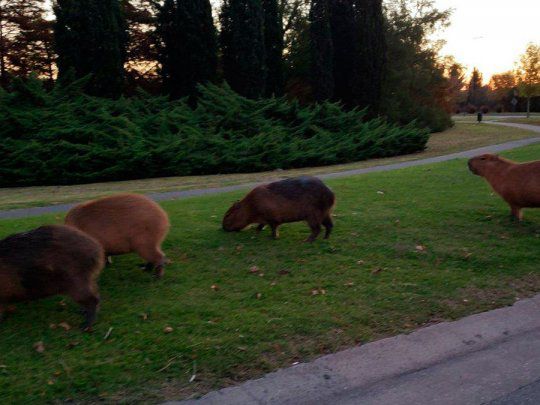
375, 282
462, 136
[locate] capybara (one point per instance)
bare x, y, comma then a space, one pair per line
51, 260
303, 198
125, 223
517, 183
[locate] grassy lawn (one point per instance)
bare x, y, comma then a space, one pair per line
410, 248
462, 137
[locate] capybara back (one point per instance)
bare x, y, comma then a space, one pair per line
51, 260
517, 183
124, 223
303, 198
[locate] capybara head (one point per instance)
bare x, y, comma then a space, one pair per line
482, 164
236, 218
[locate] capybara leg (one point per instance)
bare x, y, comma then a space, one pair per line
328, 224
275, 233
315, 230
155, 258
517, 214
260, 227
89, 301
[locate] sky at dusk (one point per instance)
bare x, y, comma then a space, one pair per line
490, 34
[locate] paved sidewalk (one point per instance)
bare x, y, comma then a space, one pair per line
172, 195
487, 358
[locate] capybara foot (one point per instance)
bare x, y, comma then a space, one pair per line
147, 267
159, 271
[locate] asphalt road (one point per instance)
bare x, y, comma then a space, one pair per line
35, 211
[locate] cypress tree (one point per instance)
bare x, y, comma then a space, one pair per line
344, 28
273, 44
188, 51
90, 38
371, 55
242, 46
322, 77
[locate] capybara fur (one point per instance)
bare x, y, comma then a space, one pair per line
125, 223
517, 183
303, 198
51, 260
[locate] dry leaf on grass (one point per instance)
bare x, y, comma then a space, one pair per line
167, 329
39, 347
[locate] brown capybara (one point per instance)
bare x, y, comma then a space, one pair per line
51, 260
303, 198
125, 223
517, 183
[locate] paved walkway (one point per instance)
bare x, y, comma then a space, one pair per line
172, 195
487, 358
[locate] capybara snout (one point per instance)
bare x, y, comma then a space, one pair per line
303, 198
517, 183
479, 164
125, 223
51, 260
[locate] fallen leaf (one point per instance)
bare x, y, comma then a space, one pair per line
258, 296
144, 316
273, 283
380, 192
314, 292
39, 347
64, 325
360, 262
376, 270
349, 284
57, 373
420, 248
214, 287
72, 344
168, 329
52, 326
254, 269
284, 272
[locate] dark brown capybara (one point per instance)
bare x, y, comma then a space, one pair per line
51, 260
125, 223
303, 198
517, 183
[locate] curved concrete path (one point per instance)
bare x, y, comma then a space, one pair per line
172, 195
487, 358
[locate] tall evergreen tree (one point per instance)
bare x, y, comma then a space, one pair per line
189, 45
273, 45
345, 36
476, 92
322, 77
90, 38
242, 46
371, 54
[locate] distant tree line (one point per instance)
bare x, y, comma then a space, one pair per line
356, 52
512, 91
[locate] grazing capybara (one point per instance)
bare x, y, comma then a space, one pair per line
125, 223
517, 183
51, 260
303, 198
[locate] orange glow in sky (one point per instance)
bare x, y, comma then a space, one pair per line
490, 34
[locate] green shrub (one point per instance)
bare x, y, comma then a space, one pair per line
65, 137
